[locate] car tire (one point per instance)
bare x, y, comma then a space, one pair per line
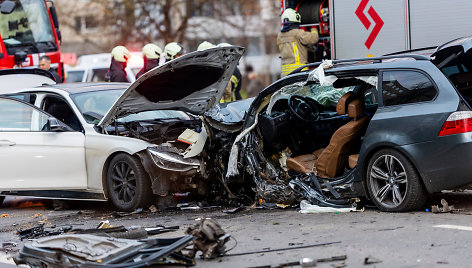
128, 184
393, 183
1, 200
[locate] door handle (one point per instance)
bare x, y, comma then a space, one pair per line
7, 143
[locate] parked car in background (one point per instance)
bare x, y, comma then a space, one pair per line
93, 68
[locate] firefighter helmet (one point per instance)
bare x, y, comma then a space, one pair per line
290, 15
205, 45
151, 51
120, 53
173, 50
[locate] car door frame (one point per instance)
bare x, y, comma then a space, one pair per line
59, 158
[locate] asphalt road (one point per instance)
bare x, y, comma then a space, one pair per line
418, 239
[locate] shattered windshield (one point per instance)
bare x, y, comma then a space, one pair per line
95, 104
27, 25
327, 96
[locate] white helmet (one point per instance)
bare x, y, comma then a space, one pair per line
152, 51
120, 53
172, 50
224, 45
290, 15
205, 45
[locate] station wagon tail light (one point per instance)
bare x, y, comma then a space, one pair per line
457, 122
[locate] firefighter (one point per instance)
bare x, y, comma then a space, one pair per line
119, 58
293, 42
151, 57
45, 64
205, 45
173, 50
233, 91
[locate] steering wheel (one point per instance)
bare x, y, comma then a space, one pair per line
303, 109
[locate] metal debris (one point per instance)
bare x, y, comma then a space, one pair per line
211, 239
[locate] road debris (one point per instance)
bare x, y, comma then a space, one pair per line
233, 210
371, 260
153, 209
304, 262
446, 208
307, 208
41, 231
211, 239
72, 250
281, 249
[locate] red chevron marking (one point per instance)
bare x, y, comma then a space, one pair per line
379, 23
360, 14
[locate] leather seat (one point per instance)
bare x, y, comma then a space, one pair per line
330, 162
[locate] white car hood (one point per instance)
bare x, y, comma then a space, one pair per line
192, 83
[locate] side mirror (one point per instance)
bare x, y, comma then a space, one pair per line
55, 20
54, 125
7, 7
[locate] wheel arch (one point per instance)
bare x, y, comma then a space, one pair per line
371, 152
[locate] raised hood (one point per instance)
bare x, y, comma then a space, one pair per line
191, 83
449, 52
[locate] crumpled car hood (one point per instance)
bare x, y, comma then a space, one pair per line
192, 83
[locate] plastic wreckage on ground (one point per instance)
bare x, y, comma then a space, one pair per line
83, 250
101, 249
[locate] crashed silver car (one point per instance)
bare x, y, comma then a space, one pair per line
123, 142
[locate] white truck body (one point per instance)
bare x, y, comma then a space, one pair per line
407, 25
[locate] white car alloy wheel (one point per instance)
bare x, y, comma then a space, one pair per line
128, 185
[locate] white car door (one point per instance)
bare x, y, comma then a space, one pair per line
32, 157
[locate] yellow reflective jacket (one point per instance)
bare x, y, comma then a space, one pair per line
293, 48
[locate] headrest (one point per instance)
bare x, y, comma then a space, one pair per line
341, 107
355, 109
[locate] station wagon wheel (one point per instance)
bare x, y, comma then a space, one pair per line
128, 184
393, 183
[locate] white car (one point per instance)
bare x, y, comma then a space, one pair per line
115, 141
94, 67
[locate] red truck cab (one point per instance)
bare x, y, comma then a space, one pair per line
29, 29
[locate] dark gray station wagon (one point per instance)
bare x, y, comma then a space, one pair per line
392, 129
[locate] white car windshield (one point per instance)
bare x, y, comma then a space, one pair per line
95, 104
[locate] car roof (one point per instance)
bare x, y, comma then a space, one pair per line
74, 88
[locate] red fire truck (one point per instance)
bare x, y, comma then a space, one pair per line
29, 29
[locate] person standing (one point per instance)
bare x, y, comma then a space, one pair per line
151, 56
254, 85
45, 64
235, 82
293, 42
119, 58
173, 50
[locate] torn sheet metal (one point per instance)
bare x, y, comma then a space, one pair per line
233, 157
319, 75
167, 157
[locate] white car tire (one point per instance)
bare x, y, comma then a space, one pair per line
128, 184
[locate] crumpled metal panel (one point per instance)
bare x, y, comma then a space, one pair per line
169, 158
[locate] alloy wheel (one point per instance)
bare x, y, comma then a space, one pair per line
389, 181
123, 181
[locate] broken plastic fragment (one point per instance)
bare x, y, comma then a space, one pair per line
307, 208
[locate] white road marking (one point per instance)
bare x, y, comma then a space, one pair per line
456, 227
